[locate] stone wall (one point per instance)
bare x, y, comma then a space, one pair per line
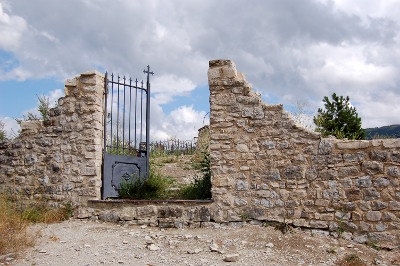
264, 167
59, 160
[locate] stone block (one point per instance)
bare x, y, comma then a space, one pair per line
325, 147
395, 156
354, 157
352, 145
394, 206
242, 185
379, 205
293, 172
371, 194
391, 143
363, 182
381, 182
319, 224
364, 205
268, 144
353, 194
322, 202
328, 174
372, 167
373, 216
380, 156
365, 227
267, 203
271, 175
393, 171
348, 171
242, 148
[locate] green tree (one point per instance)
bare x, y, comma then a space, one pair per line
339, 119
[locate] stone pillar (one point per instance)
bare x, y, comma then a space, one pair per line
226, 84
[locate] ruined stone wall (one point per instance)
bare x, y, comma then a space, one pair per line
59, 160
264, 167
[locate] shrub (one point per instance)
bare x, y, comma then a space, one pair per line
154, 187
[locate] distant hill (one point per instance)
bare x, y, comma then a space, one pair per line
392, 131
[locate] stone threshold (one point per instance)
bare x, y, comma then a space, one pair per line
128, 202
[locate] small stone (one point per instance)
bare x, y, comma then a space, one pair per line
231, 257
198, 250
124, 242
350, 246
9, 259
42, 251
87, 246
143, 226
120, 262
269, 245
214, 247
153, 247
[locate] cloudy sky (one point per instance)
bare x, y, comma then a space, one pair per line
289, 50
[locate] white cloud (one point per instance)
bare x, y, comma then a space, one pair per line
182, 123
11, 30
11, 126
165, 87
293, 50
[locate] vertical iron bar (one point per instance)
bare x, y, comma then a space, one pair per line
141, 113
148, 118
105, 114
123, 124
118, 118
112, 101
136, 81
130, 108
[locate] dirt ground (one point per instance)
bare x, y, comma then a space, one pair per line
83, 242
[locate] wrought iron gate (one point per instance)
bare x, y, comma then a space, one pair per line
126, 132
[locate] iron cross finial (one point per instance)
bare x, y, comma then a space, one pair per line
148, 71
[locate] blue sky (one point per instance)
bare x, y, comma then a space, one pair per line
293, 52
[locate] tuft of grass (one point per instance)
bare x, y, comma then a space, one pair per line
43, 214
14, 236
351, 260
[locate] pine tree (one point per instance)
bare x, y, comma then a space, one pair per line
339, 119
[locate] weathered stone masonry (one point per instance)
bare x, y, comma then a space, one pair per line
266, 167
59, 160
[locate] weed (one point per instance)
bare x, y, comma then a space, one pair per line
201, 187
351, 260
284, 227
331, 251
244, 216
372, 244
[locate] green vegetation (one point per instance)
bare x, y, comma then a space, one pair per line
339, 119
14, 220
351, 260
158, 186
2, 131
392, 131
43, 108
154, 187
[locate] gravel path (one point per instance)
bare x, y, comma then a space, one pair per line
77, 242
